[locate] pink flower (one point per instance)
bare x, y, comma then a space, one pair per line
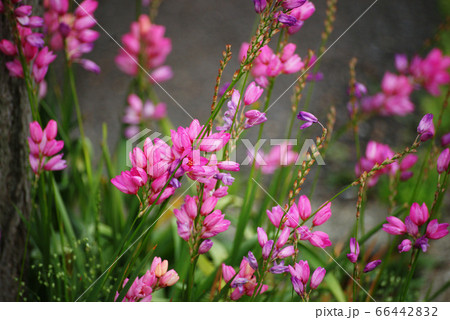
254, 118
301, 271
252, 93
205, 246
8, 48
426, 127
319, 239
301, 14
371, 266
214, 224
322, 215
129, 182
208, 206
405, 246
394, 99
304, 207
436, 230
354, 251
431, 72
443, 161
148, 40
419, 214
283, 238
43, 145
317, 277
169, 278
260, 5
262, 237
394, 226
275, 216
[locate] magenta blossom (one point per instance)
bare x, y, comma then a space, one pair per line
418, 216
426, 127
139, 113
354, 251
72, 31
371, 266
443, 161
244, 283
432, 71
146, 44
44, 148
154, 279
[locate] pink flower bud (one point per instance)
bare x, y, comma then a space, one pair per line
190, 206
23, 11
283, 238
267, 249
322, 215
15, 68
138, 158
286, 252
320, 239
260, 5
371, 265
205, 246
354, 251
317, 277
169, 278
60, 6
394, 226
445, 140
275, 215
426, 127
411, 227
304, 207
51, 130
8, 48
252, 94
262, 236
55, 164
229, 166
36, 132
221, 192
85, 8
227, 272
443, 161
90, 65
161, 74
405, 246
208, 205
419, 214
292, 4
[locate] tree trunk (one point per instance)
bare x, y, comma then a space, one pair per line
14, 174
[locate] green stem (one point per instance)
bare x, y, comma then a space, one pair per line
412, 268
80, 120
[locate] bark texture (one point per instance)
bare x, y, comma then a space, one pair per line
14, 173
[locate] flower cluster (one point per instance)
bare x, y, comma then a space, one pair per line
146, 45
197, 222
138, 113
72, 31
293, 12
157, 162
300, 275
418, 216
245, 281
156, 278
270, 65
253, 117
36, 57
44, 147
296, 13
377, 153
429, 73
302, 210
354, 253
